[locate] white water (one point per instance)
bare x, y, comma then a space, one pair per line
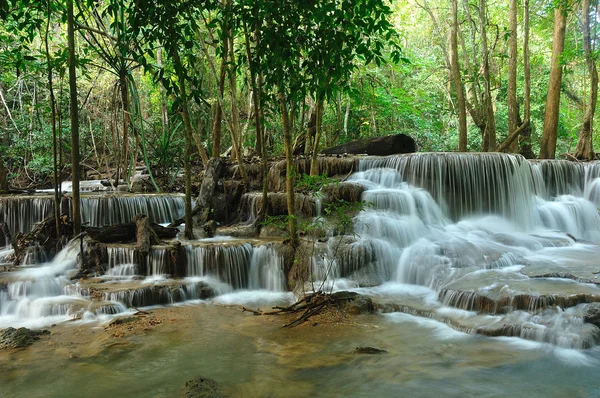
444, 231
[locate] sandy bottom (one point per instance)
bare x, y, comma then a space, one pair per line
154, 354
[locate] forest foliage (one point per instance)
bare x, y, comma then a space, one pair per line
171, 84
351, 61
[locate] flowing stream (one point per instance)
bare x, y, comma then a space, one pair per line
453, 246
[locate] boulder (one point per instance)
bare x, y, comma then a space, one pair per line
592, 314
20, 338
354, 303
202, 387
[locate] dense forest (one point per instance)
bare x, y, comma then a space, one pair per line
95, 88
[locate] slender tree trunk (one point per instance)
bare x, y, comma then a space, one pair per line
584, 149
549, 135
235, 114
163, 96
125, 105
3, 176
289, 173
74, 120
346, 118
460, 96
54, 138
216, 152
256, 86
512, 75
525, 138
314, 166
189, 227
489, 139
3, 145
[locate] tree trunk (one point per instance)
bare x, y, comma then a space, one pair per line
525, 138
257, 98
460, 96
235, 114
125, 105
289, 173
163, 96
489, 138
549, 135
212, 175
512, 76
265, 167
3, 143
346, 118
145, 235
584, 149
3, 176
216, 147
55, 178
314, 167
189, 227
74, 121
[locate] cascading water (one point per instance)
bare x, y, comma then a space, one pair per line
448, 221
488, 243
266, 270
23, 213
42, 295
116, 209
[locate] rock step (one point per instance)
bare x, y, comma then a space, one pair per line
497, 292
169, 292
546, 327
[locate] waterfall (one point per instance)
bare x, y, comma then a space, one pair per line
100, 210
39, 293
22, 213
266, 269
490, 243
472, 228
228, 263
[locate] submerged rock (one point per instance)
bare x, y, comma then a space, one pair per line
370, 350
354, 303
20, 338
202, 387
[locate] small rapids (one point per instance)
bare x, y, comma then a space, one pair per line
484, 244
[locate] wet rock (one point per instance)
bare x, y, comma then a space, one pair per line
123, 320
210, 228
331, 166
348, 191
592, 314
202, 387
95, 255
238, 231
20, 338
499, 293
370, 350
159, 294
273, 231
354, 303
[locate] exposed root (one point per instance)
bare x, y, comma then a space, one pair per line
308, 306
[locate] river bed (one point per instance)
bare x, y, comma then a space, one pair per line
253, 356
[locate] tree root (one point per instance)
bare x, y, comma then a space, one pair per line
309, 305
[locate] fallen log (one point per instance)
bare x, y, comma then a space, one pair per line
123, 233
378, 146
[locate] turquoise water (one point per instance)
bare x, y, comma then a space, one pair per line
252, 356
